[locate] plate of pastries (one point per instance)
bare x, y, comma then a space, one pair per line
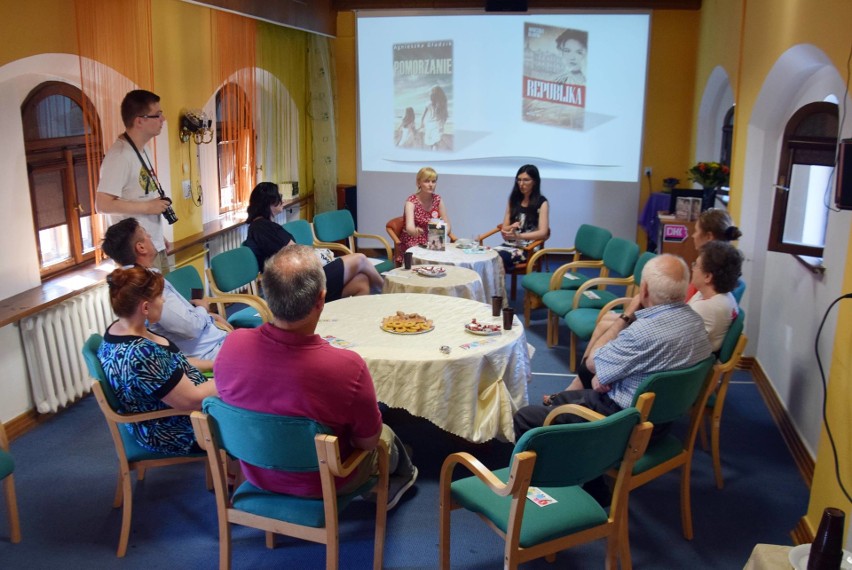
407, 323
483, 329
430, 270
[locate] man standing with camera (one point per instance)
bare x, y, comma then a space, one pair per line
128, 185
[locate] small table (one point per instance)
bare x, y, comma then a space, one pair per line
486, 263
472, 392
769, 557
456, 282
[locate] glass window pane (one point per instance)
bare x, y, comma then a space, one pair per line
807, 215
86, 233
54, 244
49, 198
59, 116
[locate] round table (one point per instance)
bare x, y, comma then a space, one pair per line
472, 392
486, 263
456, 282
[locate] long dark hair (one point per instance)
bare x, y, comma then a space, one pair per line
263, 197
515, 198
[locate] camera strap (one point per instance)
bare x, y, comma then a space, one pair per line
149, 169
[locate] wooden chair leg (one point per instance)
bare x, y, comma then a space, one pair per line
624, 544
119, 491
126, 513
573, 353
685, 501
715, 423
514, 293
12, 507
527, 309
270, 540
444, 535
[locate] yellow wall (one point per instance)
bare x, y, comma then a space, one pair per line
38, 26
770, 28
345, 89
668, 103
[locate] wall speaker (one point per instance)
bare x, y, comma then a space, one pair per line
843, 193
505, 5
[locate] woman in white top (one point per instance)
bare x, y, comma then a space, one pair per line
714, 276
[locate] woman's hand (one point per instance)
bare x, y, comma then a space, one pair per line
508, 232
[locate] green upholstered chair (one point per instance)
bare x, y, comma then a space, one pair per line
589, 244
558, 459
131, 455
336, 226
236, 270
729, 356
7, 467
582, 321
287, 444
185, 279
620, 256
301, 231
676, 394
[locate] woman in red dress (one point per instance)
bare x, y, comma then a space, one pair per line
421, 207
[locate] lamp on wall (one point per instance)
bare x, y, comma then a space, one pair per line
196, 126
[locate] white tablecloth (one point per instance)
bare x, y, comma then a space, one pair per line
472, 392
456, 282
487, 263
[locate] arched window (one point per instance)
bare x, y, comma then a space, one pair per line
805, 172
727, 138
55, 129
235, 147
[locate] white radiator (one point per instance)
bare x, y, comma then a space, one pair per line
227, 241
53, 340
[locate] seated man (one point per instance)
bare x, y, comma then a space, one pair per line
189, 324
283, 367
665, 334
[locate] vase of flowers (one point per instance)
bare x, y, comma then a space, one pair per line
709, 174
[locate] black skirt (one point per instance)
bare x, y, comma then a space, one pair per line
333, 280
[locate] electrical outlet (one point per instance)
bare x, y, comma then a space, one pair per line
647, 171
187, 188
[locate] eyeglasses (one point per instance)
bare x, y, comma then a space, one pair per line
155, 116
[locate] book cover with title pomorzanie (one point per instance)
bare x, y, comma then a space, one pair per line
554, 79
423, 95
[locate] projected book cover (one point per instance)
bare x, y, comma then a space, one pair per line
554, 81
423, 95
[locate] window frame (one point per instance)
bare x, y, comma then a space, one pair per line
791, 144
62, 154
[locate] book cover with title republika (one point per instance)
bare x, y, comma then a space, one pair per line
423, 95
554, 80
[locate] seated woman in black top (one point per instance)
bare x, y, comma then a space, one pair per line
526, 217
346, 276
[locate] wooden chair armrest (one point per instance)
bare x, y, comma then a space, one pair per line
336, 466
489, 233
253, 301
556, 279
644, 403
376, 237
547, 251
576, 409
131, 418
612, 305
523, 462
533, 246
333, 246
596, 282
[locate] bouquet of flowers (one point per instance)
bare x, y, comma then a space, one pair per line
709, 174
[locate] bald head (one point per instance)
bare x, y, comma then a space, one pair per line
293, 282
666, 278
